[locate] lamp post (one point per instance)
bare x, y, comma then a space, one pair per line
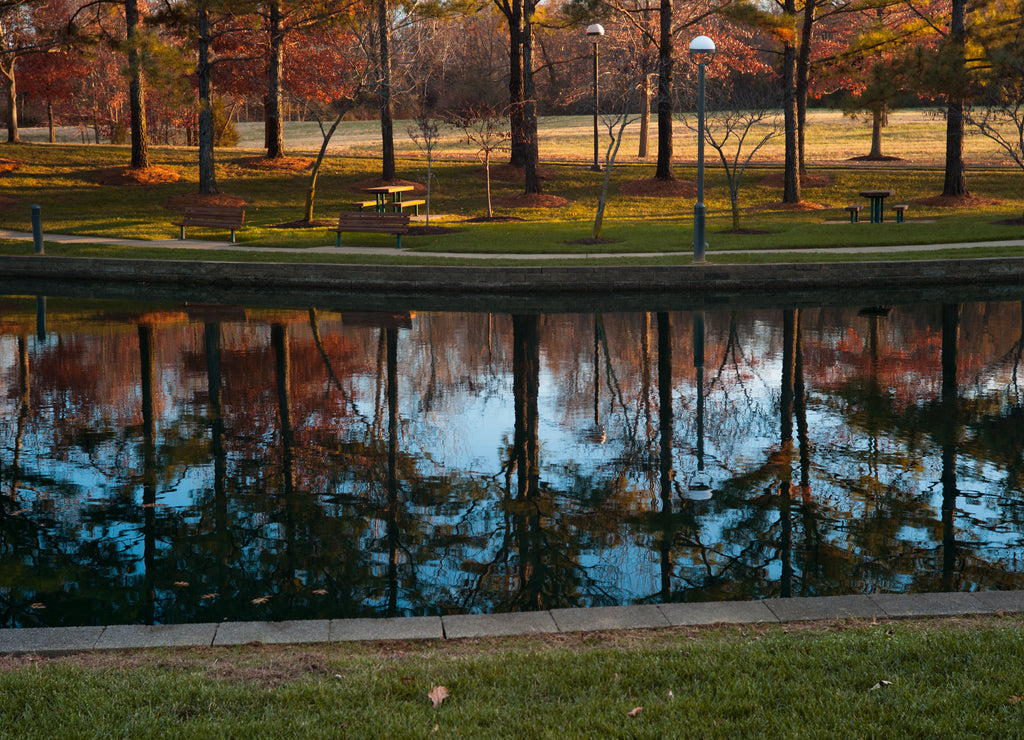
702, 51
594, 32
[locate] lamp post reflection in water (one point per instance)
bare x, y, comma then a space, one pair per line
699, 488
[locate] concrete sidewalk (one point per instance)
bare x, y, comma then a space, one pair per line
58, 640
193, 244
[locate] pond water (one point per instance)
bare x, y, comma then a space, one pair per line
180, 462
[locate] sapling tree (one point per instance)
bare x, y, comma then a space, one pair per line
425, 132
487, 128
625, 78
740, 118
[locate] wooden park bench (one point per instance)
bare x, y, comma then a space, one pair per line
900, 210
217, 217
373, 223
854, 212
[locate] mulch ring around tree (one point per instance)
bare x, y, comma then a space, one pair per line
591, 240
955, 201
286, 164
491, 219
532, 200
878, 158
187, 200
654, 188
155, 175
803, 205
807, 180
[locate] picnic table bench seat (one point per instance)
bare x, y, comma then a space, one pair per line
216, 217
372, 223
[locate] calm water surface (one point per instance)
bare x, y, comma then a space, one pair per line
166, 463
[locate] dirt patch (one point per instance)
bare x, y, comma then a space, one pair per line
179, 202
955, 201
376, 182
490, 219
744, 231
286, 164
803, 205
8, 165
592, 241
1004, 222
155, 175
807, 180
878, 158
654, 188
531, 200
7, 201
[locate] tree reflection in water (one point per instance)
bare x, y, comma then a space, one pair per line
167, 464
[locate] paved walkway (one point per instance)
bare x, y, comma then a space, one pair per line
195, 244
57, 640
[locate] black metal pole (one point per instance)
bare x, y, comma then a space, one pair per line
596, 167
37, 229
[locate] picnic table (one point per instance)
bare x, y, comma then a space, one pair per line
381, 193
877, 200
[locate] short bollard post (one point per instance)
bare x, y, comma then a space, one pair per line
37, 229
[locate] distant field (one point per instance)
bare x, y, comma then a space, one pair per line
917, 136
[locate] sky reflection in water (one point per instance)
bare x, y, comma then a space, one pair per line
168, 463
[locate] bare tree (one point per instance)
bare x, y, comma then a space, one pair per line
487, 128
740, 118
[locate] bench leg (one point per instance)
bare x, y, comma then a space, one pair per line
398, 241
417, 209
232, 236
338, 243
181, 234
853, 217
899, 217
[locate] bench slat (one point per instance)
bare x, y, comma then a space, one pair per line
216, 217
372, 222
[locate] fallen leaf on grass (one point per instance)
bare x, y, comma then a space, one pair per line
181, 584
261, 600
210, 596
880, 685
634, 711
437, 695
1015, 700
320, 592
38, 605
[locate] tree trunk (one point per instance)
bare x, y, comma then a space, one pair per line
49, 122
645, 116
803, 72
877, 120
11, 88
955, 181
532, 185
274, 130
387, 127
136, 87
791, 186
207, 176
518, 148
664, 169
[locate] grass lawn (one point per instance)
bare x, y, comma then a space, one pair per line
916, 679
68, 182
